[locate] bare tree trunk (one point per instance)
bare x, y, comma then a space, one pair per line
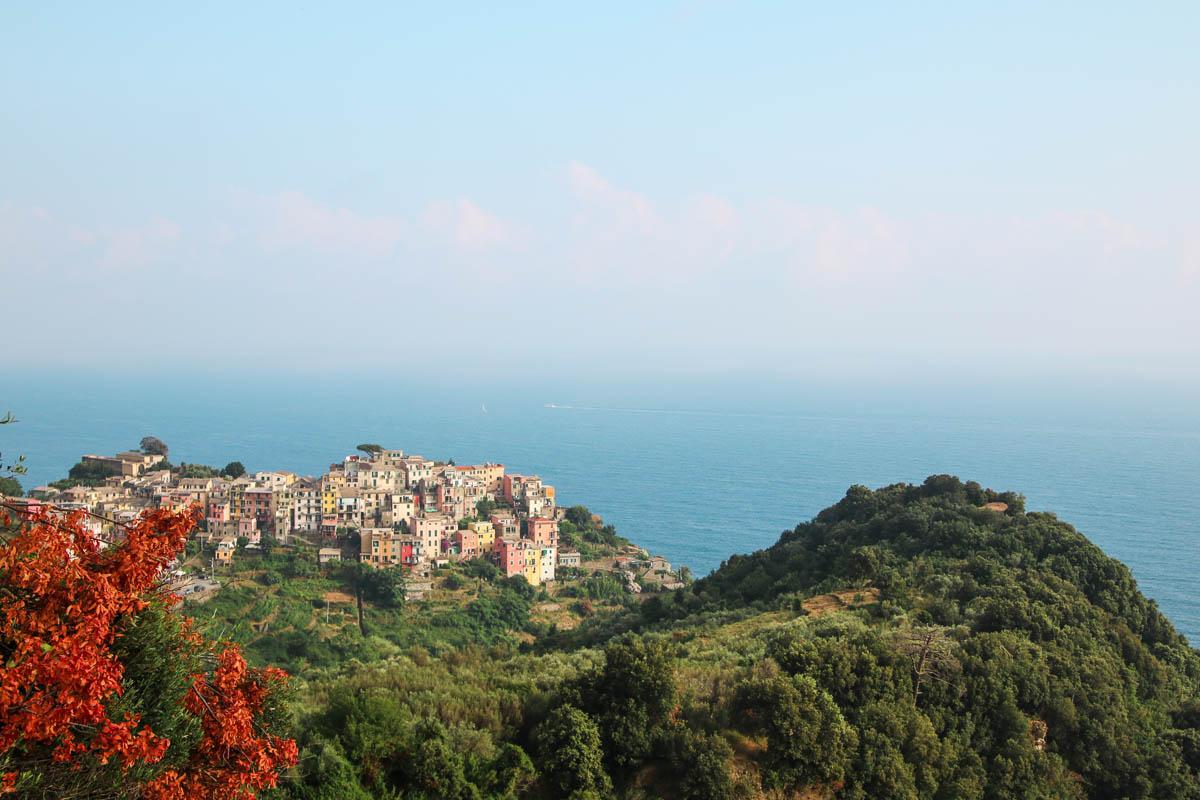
932, 652
921, 661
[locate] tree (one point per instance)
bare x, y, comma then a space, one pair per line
520, 587
385, 586
105, 692
328, 775
630, 697
17, 467
570, 755
92, 472
154, 446
370, 449
932, 654
580, 517
512, 772
10, 486
700, 763
481, 568
233, 469
196, 471
808, 741
436, 767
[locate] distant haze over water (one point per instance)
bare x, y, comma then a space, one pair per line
693, 470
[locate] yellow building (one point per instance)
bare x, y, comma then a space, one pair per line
225, 548
329, 498
487, 535
236, 493
533, 564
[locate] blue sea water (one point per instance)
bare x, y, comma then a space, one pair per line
695, 470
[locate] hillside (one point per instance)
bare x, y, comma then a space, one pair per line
910, 642
289, 611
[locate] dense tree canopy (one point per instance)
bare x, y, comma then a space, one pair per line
91, 472
808, 741
384, 586
1009, 644
197, 471
570, 754
154, 446
233, 469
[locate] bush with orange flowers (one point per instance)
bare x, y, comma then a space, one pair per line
105, 691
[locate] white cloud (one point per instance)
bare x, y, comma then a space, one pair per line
622, 209
296, 221
693, 279
465, 225
1189, 267
620, 234
829, 243
127, 248
35, 239
619, 230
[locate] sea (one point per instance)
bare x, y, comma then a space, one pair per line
693, 468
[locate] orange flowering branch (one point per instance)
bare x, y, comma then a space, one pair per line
63, 598
232, 759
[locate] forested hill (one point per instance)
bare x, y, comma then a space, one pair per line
952, 553
1021, 630
932, 641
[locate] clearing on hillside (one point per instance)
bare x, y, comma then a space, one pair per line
848, 598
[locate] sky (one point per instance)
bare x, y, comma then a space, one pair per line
691, 188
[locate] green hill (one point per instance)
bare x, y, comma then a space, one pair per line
909, 642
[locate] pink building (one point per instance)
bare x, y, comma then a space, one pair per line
543, 531
248, 527
219, 511
510, 487
468, 544
256, 502
510, 556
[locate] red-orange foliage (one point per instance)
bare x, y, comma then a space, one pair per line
232, 759
62, 598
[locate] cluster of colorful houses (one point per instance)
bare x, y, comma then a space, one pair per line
403, 509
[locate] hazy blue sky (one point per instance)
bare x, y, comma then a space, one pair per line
697, 187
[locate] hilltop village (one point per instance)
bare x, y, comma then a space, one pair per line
383, 507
